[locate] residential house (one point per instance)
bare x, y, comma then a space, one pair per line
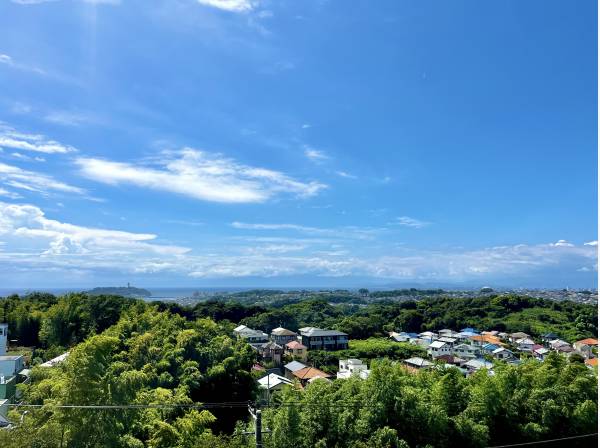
296, 350
282, 336
518, 335
477, 364
439, 348
271, 383
292, 367
349, 367
319, 339
448, 340
591, 363
546, 338
555, 344
10, 365
400, 337
417, 363
466, 351
8, 387
451, 360
524, 344
488, 348
250, 335
428, 336
308, 374
482, 339
541, 353
271, 352
586, 346
504, 354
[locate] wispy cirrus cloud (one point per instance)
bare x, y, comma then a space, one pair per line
346, 175
407, 221
315, 155
10, 138
200, 175
347, 232
10, 62
239, 6
32, 181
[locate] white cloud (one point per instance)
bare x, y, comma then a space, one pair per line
10, 62
9, 194
562, 243
200, 175
23, 223
345, 232
407, 221
9, 138
346, 175
315, 155
591, 243
306, 126
16, 177
231, 5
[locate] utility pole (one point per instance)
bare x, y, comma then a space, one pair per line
258, 428
258, 431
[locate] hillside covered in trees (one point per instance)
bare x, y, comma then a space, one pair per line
127, 352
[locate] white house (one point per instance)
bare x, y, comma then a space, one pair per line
349, 367
525, 344
504, 354
272, 383
439, 348
541, 353
478, 364
10, 365
465, 351
250, 335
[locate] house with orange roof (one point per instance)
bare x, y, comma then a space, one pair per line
586, 346
296, 350
308, 374
483, 339
591, 363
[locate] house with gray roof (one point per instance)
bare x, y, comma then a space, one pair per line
319, 339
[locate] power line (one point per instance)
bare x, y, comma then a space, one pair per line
133, 406
539, 442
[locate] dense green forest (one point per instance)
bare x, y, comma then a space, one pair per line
127, 351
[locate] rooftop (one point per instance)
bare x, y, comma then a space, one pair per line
280, 331
310, 372
313, 331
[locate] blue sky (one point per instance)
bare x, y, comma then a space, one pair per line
267, 143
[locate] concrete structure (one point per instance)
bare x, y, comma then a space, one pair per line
8, 387
439, 348
349, 367
3, 338
10, 365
